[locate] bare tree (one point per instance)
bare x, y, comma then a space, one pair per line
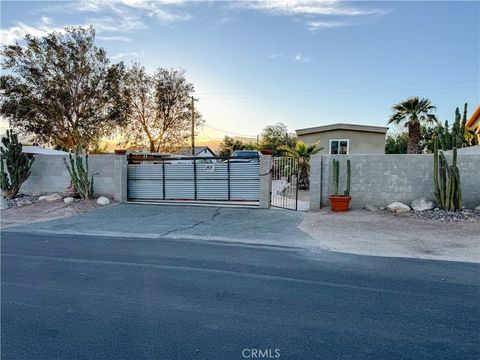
160, 109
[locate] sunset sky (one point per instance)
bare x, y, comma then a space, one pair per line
302, 63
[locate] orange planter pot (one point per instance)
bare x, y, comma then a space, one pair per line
339, 203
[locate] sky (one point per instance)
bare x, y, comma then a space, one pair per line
301, 63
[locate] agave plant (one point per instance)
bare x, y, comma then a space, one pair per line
302, 152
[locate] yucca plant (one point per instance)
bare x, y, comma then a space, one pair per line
18, 165
302, 152
79, 175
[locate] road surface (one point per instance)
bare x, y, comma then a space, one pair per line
90, 297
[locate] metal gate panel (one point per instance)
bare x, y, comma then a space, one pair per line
245, 190
285, 176
179, 189
212, 190
193, 179
145, 181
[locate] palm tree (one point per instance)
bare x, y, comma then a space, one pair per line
413, 111
302, 152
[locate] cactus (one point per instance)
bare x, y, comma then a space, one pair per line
349, 175
18, 165
446, 180
79, 175
456, 136
336, 177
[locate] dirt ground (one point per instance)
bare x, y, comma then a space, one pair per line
382, 233
43, 211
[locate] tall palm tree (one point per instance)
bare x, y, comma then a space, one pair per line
413, 112
303, 152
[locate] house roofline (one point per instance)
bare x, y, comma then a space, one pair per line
342, 126
475, 116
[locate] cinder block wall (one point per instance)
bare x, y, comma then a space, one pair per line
382, 179
49, 174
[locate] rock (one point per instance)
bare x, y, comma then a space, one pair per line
68, 200
52, 197
477, 208
398, 207
422, 204
36, 193
24, 202
370, 207
3, 203
102, 200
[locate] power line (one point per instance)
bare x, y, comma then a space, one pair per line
229, 132
331, 93
211, 92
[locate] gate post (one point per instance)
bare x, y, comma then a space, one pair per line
315, 182
265, 181
120, 166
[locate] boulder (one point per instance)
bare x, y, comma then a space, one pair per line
398, 207
102, 200
68, 200
370, 207
24, 202
477, 208
3, 203
52, 197
422, 204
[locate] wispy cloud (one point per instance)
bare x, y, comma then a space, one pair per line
132, 54
114, 38
275, 56
302, 58
19, 30
316, 25
316, 14
310, 7
165, 11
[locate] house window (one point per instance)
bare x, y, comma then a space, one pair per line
339, 146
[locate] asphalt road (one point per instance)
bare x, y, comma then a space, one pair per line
72, 297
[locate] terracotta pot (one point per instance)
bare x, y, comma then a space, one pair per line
120, 152
339, 203
266, 152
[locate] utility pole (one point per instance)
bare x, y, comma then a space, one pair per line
193, 126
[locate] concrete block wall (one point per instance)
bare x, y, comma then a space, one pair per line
382, 179
49, 175
265, 181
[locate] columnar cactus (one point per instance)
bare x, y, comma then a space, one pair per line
18, 165
446, 181
456, 137
336, 177
79, 176
349, 175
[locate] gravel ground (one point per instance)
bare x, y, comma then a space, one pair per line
27, 209
466, 215
382, 233
22, 200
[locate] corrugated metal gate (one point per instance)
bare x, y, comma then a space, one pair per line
218, 179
